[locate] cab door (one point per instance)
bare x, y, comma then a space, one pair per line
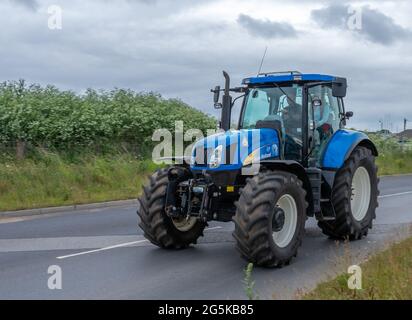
324, 119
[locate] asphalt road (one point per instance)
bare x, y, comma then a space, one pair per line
103, 255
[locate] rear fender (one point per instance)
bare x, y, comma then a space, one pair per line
341, 145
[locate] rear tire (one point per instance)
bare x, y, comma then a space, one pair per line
260, 235
354, 182
159, 228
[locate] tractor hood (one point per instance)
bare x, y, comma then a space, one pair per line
233, 149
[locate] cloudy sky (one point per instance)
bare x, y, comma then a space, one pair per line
179, 48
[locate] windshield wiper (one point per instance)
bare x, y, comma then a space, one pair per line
287, 96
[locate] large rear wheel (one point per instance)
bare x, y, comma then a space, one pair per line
270, 218
354, 197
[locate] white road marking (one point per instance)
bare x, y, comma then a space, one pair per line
213, 228
101, 249
395, 194
116, 246
79, 243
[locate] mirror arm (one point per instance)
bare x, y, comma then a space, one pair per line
237, 98
342, 114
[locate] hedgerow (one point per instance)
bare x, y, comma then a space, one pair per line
53, 118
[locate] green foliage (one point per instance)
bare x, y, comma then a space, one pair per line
393, 159
82, 148
248, 283
387, 275
49, 179
47, 116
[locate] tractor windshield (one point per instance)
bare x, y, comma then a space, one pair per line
282, 105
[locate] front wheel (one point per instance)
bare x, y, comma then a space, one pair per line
354, 197
158, 227
270, 218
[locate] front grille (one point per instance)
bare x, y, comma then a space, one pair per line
223, 178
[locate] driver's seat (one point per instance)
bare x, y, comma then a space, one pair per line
274, 122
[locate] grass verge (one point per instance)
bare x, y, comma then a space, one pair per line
385, 276
55, 180
395, 163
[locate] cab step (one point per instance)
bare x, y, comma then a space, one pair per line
327, 212
322, 208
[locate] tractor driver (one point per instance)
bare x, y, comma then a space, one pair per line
321, 111
292, 121
323, 127
292, 116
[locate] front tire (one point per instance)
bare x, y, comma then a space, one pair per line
354, 197
270, 218
159, 228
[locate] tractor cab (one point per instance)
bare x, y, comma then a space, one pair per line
305, 110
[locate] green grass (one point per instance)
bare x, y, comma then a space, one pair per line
54, 180
387, 275
394, 163
393, 159
249, 284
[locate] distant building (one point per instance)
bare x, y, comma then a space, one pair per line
407, 134
384, 131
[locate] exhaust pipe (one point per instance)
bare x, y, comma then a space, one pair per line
226, 104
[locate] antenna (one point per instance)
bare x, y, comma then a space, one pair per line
263, 59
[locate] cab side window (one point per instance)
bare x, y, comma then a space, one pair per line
334, 110
327, 115
324, 117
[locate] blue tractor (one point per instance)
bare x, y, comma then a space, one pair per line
289, 158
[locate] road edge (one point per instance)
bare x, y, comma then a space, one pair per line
78, 207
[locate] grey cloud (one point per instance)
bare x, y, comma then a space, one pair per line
376, 26
266, 28
334, 15
161, 48
29, 4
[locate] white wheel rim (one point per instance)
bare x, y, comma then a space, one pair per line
184, 224
283, 237
361, 193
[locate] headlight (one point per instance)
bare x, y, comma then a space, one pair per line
216, 157
253, 157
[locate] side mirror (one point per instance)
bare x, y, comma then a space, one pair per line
348, 114
339, 86
216, 95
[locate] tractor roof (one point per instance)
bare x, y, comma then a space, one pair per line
286, 76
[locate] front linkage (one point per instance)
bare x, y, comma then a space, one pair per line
198, 196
